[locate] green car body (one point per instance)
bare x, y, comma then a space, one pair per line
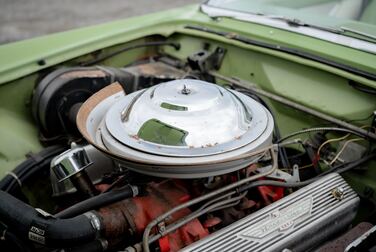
307, 70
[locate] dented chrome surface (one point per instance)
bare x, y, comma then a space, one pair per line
212, 119
104, 109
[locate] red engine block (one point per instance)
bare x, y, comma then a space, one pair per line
131, 216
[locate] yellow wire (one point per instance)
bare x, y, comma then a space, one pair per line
338, 139
302, 167
306, 166
343, 148
330, 141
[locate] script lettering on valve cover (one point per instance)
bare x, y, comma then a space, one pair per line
281, 220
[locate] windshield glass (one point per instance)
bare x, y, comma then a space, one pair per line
355, 18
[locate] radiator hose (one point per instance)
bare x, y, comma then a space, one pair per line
29, 224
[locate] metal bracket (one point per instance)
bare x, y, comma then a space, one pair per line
161, 228
279, 174
205, 61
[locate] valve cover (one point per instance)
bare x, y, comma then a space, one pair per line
298, 222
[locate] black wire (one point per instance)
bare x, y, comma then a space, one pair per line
147, 44
16, 244
10, 242
96, 202
282, 150
318, 129
344, 167
339, 169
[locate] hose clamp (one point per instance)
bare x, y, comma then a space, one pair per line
104, 244
43, 213
95, 221
135, 190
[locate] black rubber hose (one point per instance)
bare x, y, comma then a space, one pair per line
14, 243
29, 167
28, 224
98, 201
94, 246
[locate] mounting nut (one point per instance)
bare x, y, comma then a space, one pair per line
338, 193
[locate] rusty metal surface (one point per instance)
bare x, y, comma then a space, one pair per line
89, 73
88, 106
157, 70
153, 70
116, 227
131, 216
339, 244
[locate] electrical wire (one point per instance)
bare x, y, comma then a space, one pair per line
245, 187
331, 141
31, 166
300, 167
253, 87
338, 169
318, 129
147, 44
282, 151
338, 139
352, 165
343, 148
145, 239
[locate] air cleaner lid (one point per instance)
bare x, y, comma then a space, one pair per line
184, 118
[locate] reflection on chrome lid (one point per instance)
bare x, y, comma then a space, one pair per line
185, 118
178, 129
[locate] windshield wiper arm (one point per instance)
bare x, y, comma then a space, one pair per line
363, 34
298, 22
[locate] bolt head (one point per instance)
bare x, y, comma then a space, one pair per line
338, 193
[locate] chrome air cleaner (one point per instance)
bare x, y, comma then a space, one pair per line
183, 128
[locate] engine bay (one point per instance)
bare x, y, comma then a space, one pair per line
167, 154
